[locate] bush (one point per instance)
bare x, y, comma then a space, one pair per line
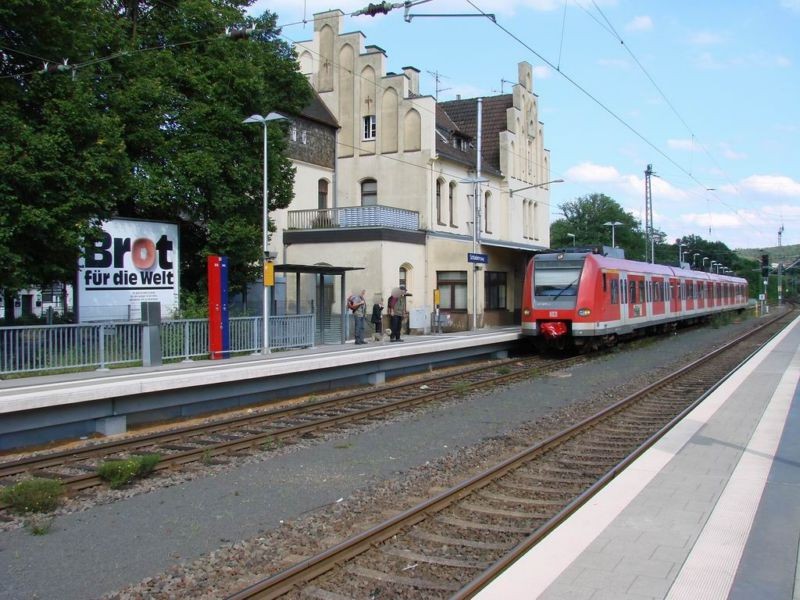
33, 495
120, 472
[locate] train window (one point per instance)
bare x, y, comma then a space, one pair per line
624, 289
604, 282
614, 291
642, 297
632, 296
556, 282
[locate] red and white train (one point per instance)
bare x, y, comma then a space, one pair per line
588, 299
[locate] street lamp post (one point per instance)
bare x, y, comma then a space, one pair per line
572, 235
705, 258
680, 253
537, 185
613, 225
265, 223
694, 259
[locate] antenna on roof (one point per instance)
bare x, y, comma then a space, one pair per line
437, 78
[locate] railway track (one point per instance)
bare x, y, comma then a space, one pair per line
229, 437
451, 545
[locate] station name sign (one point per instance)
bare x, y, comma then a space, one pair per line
474, 257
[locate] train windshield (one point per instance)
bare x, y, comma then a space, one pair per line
557, 281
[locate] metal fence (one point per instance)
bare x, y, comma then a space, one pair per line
46, 348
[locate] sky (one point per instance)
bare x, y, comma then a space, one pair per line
707, 91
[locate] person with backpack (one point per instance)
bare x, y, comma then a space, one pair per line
358, 306
397, 310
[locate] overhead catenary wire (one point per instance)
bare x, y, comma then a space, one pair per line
605, 107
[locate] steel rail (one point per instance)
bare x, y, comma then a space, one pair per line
293, 578
83, 481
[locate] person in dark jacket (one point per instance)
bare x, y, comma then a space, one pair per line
377, 318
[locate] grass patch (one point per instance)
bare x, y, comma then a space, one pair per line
120, 472
343, 446
461, 388
39, 524
37, 495
271, 443
503, 370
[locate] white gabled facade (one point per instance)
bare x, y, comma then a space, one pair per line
401, 206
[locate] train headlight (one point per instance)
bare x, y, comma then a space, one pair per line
584, 312
526, 312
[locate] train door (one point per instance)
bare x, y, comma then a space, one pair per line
657, 290
609, 300
675, 296
690, 305
636, 296
623, 297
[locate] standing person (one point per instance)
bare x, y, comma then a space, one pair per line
358, 304
397, 310
377, 318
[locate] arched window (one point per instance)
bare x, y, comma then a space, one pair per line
369, 192
402, 279
439, 219
322, 194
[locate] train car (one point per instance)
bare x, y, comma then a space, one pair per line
587, 299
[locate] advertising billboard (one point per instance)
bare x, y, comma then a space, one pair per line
134, 262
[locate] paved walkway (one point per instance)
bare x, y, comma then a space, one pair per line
711, 511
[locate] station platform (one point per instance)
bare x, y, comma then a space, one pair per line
712, 510
35, 410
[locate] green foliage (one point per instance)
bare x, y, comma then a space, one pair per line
148, 125
120, 472
584, 217
33, 495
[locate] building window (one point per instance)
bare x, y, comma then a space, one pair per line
439, 202
370, 127
293, 133
402, 279
304, 136
369, 192
322, 194
452, 204
452, 289
494, 284
487, 221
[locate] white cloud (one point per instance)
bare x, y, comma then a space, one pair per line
771, 185
542, 72
591, 173
730, 153
643, 23
793, 5
705, 38
628, 184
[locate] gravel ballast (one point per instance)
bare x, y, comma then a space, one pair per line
201, 534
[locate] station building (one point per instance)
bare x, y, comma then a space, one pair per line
391, 181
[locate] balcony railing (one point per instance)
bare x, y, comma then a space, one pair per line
354, 216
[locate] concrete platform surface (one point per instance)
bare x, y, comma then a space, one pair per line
710, 511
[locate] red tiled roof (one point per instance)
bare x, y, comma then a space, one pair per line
463, 113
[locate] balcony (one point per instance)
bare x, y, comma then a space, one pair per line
354, 217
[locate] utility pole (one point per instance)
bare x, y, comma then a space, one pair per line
780, 266
648, 217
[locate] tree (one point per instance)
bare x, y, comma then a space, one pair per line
585, 217
148, 124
